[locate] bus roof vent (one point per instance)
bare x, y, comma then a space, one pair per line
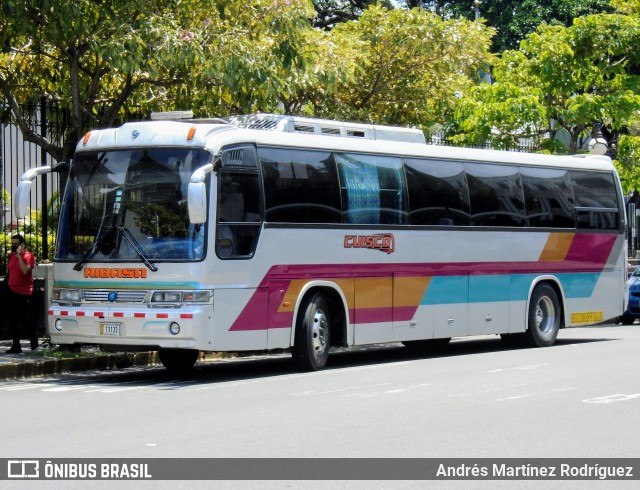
268, 122
355, 134
295, 124
303, 128
171, 115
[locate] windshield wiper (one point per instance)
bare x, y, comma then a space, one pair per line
100, 235
106, 242
93, 248
136, 247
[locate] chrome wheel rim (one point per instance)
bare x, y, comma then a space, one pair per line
545, 315
319, 332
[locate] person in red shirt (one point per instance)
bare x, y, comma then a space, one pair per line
20, 267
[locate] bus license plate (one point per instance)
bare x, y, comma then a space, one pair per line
110, 329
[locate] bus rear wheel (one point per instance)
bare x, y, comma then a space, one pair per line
544, 317
313, 337
178, 361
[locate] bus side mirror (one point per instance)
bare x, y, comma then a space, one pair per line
21, 199
197, 195
197, 202
23, 192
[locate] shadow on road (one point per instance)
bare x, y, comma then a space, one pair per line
256, 367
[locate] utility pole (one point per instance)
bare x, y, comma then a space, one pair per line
476, 8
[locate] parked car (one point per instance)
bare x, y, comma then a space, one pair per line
633, 305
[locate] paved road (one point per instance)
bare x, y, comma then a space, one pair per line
580, 398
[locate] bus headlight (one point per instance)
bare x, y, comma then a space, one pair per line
196, 296
58, 325
66, 295
166, 297
178, 297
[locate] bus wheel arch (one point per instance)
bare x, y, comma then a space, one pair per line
320, 322
544, 314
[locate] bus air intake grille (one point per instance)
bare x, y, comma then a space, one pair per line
121, 296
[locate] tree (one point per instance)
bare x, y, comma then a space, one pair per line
101, 59
514, 19
410, 65
629, 7
628, 161
330, 13
562, 80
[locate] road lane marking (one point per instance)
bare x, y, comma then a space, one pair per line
618, 397
337, 390
519, 368
529, 395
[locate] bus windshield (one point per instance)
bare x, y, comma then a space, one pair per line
130, 205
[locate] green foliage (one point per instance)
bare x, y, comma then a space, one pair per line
5, 198
629, 7
330, 13
563, 79
33, 242
515, 19
102, 59
628, 162
407, 67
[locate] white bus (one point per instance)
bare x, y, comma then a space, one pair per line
302, 234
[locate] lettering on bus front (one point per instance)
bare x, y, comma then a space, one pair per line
384, 243
114, 272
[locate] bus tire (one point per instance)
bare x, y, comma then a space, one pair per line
178, 361
312, 339
626, 320
544, 317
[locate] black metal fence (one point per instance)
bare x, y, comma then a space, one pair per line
17, 156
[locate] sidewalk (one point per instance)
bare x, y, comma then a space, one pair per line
49, 361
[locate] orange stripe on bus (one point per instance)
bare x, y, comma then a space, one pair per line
556, 248
374, 292
409, 291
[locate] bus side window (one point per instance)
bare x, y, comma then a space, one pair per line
548, 197
373, 189
438, 193
596, 200
300, 186
239, 221
496, 195
239, 206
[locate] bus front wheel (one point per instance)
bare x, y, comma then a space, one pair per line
312, 339
544, 317
178, 360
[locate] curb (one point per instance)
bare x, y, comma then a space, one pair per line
29, 368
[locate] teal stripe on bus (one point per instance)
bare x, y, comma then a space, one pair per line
445, 290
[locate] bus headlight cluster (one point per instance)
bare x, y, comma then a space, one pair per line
66, 295
181, 296
58, 325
